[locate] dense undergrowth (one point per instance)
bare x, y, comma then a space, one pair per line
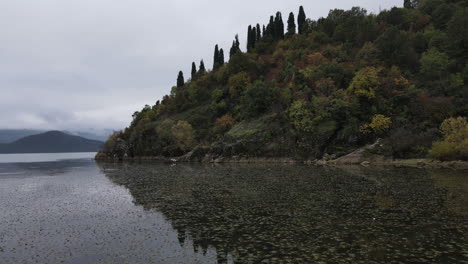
341, 83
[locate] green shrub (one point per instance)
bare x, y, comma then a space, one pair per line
444, 150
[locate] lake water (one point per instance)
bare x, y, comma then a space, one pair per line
78, 211
44, 157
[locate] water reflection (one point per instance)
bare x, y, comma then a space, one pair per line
300, 214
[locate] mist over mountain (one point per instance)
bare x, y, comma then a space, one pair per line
11, 135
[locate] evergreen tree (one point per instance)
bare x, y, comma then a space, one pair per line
194, 71
301, 20
407, 4
235, 47
279, 26
249, 38
410, 3
202, 69
270, 30
180, 79
233, 50
264, 30
253, 37
291, 25
216, 58
259, 32
221, 58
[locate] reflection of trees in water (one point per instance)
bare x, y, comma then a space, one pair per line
455, 187
300, 214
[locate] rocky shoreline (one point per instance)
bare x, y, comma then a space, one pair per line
368, 161
364, 156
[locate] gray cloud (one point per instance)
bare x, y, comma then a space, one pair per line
89, 64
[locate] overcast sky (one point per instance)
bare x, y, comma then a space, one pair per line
89, 64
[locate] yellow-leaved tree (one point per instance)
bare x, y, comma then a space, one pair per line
183, 134
365, 83
379, 125
454, 146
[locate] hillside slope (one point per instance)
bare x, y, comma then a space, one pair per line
328, 88
11, 135
51, 142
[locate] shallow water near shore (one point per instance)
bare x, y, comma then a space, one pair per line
79, 211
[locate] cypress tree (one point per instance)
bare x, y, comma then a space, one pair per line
180, 79
202, 69
408, 4
270, 30
237, 43
259, 32
221, 58
249, 38
232, 51
301, 19
194, 71
235, 47
279, 26
264, 30
291, 25
253, 37
216, 58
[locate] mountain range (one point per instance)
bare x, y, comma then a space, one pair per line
51, 142
11, 135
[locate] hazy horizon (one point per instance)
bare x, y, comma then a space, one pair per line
88, 65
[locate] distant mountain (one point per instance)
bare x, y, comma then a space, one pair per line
11, 135
51, 142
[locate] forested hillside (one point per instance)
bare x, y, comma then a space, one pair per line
304, 88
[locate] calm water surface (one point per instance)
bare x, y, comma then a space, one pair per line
77, 211
44, 157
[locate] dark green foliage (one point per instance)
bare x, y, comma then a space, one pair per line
259, 33
194, 71
396, 48
250, 39
256, 99
301, 20
180, 79
291, 25
235, 47
202, 69
457, 32
270, 29
221, 58
216, 58
253, 37
408, 4
279, 26
342, 82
